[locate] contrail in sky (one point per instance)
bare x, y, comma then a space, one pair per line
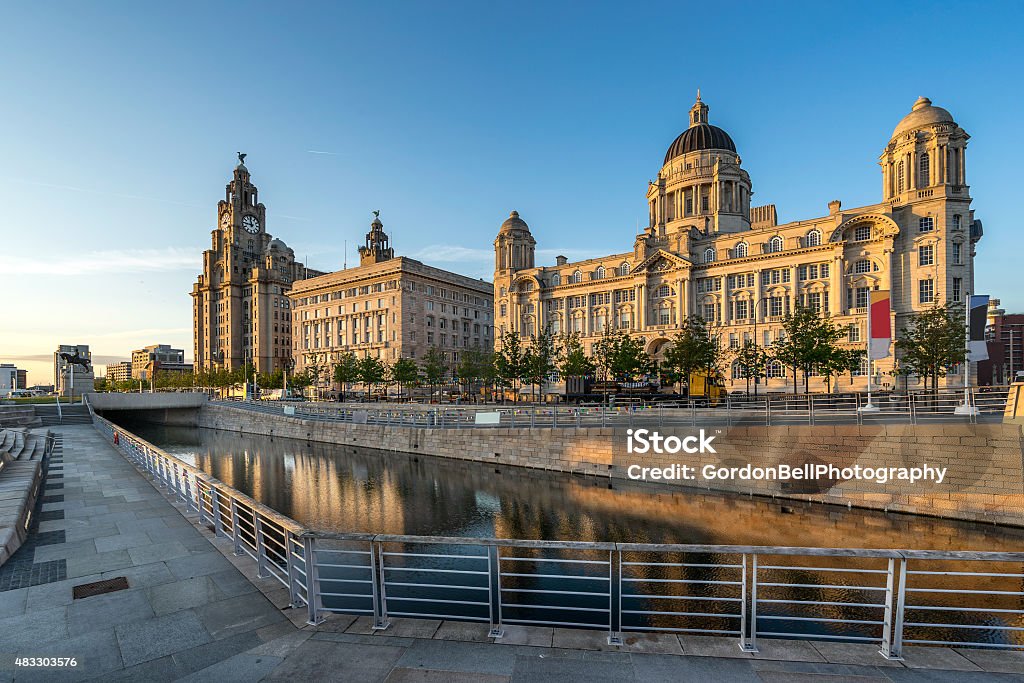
316, 151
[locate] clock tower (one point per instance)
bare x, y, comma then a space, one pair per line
241, 313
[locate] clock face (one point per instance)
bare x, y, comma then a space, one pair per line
251, 224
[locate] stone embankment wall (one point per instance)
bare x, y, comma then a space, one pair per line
984, 478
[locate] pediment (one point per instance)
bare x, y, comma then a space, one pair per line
661, 261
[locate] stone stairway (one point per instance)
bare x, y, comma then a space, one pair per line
21, 443
18, 416
72, 415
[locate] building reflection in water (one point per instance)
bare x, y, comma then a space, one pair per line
340, 488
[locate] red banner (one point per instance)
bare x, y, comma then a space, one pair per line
880, 322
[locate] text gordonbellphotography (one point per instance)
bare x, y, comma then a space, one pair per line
641, 441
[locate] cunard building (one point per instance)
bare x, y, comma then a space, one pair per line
240, 309
707, 251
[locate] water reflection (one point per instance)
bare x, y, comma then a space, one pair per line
341, 488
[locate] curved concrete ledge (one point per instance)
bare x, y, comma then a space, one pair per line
20, 483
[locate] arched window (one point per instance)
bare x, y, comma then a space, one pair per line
900, 177
663, 290
709, 255
813, 239
862, 266
556, 280
775, 369
577, 277
624, 269
599, 273
740, 250
775, 244
737, 370
924, 167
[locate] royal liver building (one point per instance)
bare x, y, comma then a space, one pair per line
706, 251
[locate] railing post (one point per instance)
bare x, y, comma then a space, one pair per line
199, 502
890, 611
294, 596
312, 580
745, 643
896, 648
380, 597
533, 417
235, 535
218, 523
494, 591
615, 597
261, 559
860, 413
752, 640
810, 409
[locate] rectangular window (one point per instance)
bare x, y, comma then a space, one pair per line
925, 255
742, 308
862, 233
775, 306
823, 269
854, 332
926, 291
926, 224
957, 254
958, 284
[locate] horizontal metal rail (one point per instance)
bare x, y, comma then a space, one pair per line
611, 586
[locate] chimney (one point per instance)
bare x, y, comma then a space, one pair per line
833, 207
561, 260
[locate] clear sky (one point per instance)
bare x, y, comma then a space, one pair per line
119, 124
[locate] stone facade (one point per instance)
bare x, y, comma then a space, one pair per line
390, 307
707, 252
119, 372
159, 358
240, 305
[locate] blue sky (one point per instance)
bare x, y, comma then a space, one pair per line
120, 122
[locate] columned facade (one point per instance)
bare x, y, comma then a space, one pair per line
707, 252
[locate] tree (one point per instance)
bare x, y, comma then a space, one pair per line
810, 339
692, 348
509, 361
404, 372
572, 361
371, 372
346, 371
435, 365
837, 361
471, 367
753, 361
620, 356
933, 343
539, 359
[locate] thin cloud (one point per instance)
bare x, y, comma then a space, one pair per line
317, 151
108, 261
103, 193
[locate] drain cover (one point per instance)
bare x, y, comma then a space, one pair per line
87, 590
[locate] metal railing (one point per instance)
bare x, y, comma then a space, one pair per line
886, 597
775, 409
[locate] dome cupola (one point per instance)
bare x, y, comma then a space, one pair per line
922, 114
700, 135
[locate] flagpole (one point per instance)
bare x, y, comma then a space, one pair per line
966, 408
869, 407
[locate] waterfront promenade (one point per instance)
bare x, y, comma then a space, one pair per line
193, 611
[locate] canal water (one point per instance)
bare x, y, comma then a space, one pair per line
341, 488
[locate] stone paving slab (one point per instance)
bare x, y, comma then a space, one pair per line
193, 612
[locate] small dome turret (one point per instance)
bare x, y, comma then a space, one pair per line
923, 113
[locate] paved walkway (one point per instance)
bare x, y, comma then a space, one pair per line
190, 614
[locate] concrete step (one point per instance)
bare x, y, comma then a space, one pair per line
18, 416
72, 415
19, 444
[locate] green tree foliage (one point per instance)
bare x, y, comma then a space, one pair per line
434, 368
472, 367
810, 340
346, 371
621, 357
404, 372
572, 360
539, 360
371, 371
753, 361
510, 361
933, 343
692, 348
